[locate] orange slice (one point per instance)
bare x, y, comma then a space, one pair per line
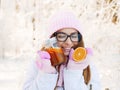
79, 54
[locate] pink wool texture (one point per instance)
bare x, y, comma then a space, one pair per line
43, 62
81, 64
63, 20
89, 51
43, 54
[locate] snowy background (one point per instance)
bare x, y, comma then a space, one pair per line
22, 31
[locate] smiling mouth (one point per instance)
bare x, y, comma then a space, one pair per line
67, 49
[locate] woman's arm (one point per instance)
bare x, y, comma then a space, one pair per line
39, 80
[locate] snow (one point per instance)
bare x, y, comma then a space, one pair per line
21, 37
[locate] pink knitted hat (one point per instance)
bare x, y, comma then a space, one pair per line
63, 20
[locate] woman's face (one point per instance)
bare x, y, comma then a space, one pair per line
71, 41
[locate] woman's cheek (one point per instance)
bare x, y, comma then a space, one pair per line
59, 44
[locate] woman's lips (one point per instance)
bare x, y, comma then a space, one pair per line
66, 49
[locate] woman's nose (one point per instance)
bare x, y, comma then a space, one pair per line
68, 40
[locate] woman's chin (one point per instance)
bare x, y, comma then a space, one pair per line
66, 53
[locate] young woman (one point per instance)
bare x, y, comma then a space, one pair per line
69, 75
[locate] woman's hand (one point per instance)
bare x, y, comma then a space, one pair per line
80, 65
43, 62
